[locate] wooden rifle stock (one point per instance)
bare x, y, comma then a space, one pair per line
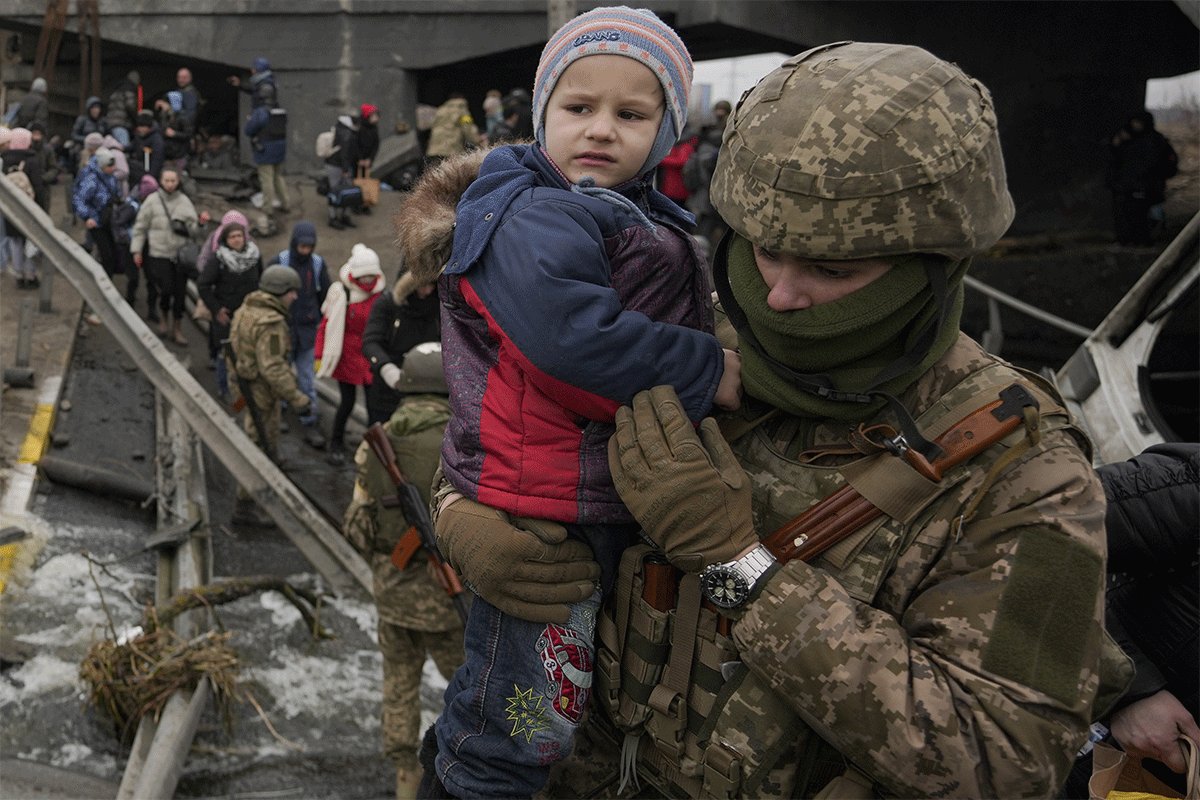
845, 511
418, 517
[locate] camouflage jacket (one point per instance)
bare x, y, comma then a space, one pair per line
261, 342
940, 656
453, 131
409, 598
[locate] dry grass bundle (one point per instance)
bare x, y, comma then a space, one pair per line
128, 679
131, 679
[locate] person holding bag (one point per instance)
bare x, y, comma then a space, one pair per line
167, 220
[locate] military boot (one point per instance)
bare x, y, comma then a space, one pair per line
246, 512
407, 781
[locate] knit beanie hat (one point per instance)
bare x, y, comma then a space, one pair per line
105, 158
261, 64
363, 262
93, 140
21, 139
144, 118
622, 31
111, 142
366, 110
38, 85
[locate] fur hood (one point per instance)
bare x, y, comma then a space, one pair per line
425, 222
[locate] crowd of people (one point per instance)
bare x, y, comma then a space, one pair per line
629, 474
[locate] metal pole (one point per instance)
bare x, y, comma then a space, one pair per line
1025, 308
24, 333
46, 292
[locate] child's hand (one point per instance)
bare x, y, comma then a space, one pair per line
729, 390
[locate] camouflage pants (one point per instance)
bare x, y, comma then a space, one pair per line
404, 652
268, 411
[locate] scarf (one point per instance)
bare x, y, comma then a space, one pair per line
238, 261
853, 341
334, 312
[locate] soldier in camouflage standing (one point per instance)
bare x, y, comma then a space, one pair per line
953, 645
415, 615
260, 341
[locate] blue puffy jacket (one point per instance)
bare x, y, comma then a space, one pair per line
93, 191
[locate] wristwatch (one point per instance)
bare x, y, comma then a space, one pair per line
732, 584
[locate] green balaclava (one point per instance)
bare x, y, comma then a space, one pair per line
850, 341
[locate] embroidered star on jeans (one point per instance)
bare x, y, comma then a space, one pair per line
526, 712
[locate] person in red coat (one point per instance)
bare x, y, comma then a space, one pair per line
339, 337
670, 170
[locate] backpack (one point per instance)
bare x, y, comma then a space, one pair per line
276, 127
325, 143
16, 175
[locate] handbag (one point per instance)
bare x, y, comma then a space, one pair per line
188, 254
369, 186
1118, 776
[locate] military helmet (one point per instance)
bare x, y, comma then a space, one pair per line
279, 280
858, 150
422, 372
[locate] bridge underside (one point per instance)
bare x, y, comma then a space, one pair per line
1064, 75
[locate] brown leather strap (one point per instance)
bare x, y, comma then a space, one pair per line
846, 510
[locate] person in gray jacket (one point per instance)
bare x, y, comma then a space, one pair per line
34, 106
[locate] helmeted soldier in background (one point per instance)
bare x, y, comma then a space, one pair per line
416, 617
260, 341
952, 645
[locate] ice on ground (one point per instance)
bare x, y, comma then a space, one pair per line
295, 675
41, 674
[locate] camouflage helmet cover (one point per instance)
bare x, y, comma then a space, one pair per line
858, 150
422, 371
279, 280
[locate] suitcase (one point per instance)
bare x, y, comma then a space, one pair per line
345, 197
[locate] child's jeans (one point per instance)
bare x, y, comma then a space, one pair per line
513, 706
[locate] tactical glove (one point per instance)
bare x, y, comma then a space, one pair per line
526, 568
688, 492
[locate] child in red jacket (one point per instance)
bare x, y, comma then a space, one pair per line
339, 338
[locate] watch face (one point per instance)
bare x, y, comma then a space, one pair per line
725, 588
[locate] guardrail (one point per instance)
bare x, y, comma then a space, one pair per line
299, 520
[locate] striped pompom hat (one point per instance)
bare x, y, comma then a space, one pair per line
623, 31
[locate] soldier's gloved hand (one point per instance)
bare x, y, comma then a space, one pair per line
687, 491
526, 568
390, 374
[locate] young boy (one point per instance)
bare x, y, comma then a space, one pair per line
571, 286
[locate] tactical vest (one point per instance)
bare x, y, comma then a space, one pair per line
694, 720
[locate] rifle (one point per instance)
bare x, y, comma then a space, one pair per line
248, 399
420, 534
845, 511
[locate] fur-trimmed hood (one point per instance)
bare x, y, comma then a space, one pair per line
425, 222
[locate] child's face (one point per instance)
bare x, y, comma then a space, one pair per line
602, 119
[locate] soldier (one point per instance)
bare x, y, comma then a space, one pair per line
259, 341
453, 131
950, 645
415, 615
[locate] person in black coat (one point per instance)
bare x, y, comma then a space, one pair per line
147, 150
1152, 605
225, 280
1141, 160
400, 320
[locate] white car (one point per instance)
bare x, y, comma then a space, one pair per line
1135, 381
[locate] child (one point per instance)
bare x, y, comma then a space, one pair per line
339, 338
306, 311
572, 285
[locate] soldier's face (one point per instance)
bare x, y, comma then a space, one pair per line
602, 119
796, 283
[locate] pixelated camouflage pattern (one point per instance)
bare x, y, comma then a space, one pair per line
261, 342
415, 615
409, 598
859, 150
904, 683
896, 654
404, 651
